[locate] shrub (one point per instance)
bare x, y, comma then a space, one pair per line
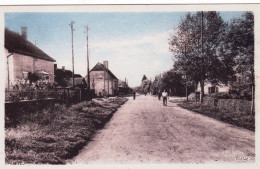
220, 95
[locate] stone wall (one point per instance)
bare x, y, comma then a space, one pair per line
230, 105
26, 63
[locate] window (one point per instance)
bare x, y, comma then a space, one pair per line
213, 89
25, 75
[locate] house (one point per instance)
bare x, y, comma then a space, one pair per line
64, 78
23, 58
123, 87
210, 88
102, 80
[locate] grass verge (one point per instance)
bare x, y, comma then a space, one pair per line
51, 136
243, 120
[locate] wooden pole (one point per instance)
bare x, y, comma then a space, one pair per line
87, 28
71, 25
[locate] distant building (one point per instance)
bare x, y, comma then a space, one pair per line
123, 87
210, 88
23, 57
102, 80
64, 78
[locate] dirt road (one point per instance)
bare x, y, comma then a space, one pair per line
145, 131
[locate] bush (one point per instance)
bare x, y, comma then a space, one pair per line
220, 95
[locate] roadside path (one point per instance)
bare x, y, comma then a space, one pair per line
144, 131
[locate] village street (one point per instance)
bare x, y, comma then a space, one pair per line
145, 131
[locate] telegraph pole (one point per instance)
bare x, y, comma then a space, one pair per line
87, 28
72, 29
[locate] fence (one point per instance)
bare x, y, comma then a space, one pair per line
57, 94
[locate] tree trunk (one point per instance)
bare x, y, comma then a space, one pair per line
202, 90
253, 92
253, 100
186, 90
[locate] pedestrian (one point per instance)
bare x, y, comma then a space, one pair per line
164, 95
159, 95
134, 93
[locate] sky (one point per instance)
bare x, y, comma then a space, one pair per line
134, 43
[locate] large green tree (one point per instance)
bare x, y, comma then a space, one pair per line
240, 43
196, 47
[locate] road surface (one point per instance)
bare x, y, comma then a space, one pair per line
145, 131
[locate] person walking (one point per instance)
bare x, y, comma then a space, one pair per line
165, 96
134, 93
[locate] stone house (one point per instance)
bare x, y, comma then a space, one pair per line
22, 58
103, 80
210, 88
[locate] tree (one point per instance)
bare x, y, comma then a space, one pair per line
240, 42
198, 56
157, 84
174, 82
144, 78
146, 84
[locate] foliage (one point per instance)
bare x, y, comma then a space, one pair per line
220, 95
227, 53
26, 85
145, 86
52, 133
235, 118
173, 82
144, 78
192, 58
241, 41
242, 87
33, 77
157, 85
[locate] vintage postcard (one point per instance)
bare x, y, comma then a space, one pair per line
126, 85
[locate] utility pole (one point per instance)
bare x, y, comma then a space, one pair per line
202, 57
71, 26
87, 28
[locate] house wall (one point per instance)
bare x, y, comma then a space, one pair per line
221, 88
109, 83
9, 68
19, 63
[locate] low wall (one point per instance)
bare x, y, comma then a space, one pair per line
230, 105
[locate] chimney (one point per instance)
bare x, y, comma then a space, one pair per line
55, 66
24, 32
105, 63
63, 68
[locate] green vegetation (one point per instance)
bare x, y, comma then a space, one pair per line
205, 48
54, 134
237, 118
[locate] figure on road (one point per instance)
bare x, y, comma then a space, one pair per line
164, 95
134, 93
159, 95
